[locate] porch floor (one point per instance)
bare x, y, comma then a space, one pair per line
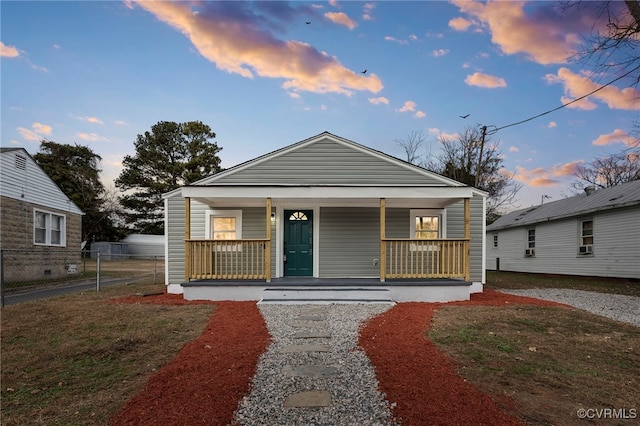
332, 282
329, 290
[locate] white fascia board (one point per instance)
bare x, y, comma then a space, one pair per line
334, 192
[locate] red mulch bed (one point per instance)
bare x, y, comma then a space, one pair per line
209, 377
421, 380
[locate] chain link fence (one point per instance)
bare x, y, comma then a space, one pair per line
27, 275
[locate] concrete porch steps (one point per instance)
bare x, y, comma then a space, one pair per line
325, 295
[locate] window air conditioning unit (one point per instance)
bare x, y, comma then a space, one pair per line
586, 249
530, 252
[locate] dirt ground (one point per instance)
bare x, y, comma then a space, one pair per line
208, 378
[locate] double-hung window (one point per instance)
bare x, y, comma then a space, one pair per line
426, 224
49, 229
224, 225
530, 251
586, 237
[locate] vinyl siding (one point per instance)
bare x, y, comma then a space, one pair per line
615, 248
253, 227
455, 229
174, 232
30, 183
349, 241
327, 162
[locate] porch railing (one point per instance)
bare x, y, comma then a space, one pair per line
226, 259
442, 258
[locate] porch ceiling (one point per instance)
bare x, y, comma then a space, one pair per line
328, 202
365, 196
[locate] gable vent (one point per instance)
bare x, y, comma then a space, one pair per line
21, 162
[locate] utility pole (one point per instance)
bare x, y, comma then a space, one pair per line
484, 133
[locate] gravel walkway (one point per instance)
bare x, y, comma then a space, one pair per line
343, 370
614, 306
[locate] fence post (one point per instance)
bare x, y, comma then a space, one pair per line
98, 271
1, 278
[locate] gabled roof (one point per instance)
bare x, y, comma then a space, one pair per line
615, 197
23, 179
344, 155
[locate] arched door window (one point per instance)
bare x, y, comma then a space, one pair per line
298, 216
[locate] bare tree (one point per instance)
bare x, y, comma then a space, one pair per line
609, 170
614, 43
458, 160
412, 146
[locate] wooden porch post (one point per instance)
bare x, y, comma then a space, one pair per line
467, 236
267, 252
187, 237
383, 246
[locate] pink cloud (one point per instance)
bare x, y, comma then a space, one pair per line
439, 52
617, 136
90, 137
43, 129
420, 114
566, 169
547, 177
514, 149
228, 35
28, 134
552, 124
485, 80
367, 11
94, 120
576, 86
407, 106
341, 18
37, 132
8, 51
379, 100
544, 36
460, 24
395, 40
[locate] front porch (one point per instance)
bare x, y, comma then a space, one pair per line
310, 290
399, 258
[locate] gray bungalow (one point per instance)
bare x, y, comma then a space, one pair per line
325, 220
596, 233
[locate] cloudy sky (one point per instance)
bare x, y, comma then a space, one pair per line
265, 74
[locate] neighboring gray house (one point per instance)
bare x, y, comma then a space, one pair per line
592, 234
40, 227
325, 219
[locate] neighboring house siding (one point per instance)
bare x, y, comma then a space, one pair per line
24, 188
24, 260
332, 163
349, 241
22, 179
615, 248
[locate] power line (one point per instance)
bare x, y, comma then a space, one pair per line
493, 131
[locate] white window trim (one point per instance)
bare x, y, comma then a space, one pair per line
442, 229
581, 237
442, 213
210, 214
63, 231
223, 213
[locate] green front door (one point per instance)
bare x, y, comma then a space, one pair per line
298, 243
